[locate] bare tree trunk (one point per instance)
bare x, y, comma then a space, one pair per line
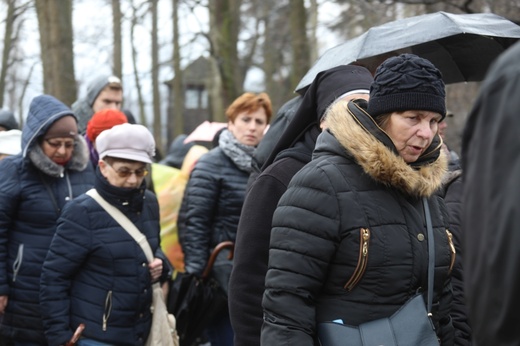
9, 23
24, 89
300, 45
313, 23
142, 115
176, 119
225, 24
55, 26
157, 123
116, 28
270, 54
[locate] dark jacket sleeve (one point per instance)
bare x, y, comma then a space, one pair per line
9, 196
453, 196
246, 285
199, 205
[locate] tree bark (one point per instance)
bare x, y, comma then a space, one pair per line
157, 123
313, 27
176, 119
225, 25
8, 32
142, 115
55, 26
299, 42
116, 29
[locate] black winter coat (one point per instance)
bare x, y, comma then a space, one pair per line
33, 191
246, 285
211, 208
96, 273
490, 202
355, 193
452, 189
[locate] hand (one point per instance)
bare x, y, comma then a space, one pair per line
3, 303
156, 268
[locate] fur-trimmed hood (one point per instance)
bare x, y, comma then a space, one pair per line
44, 111
78, 161
380, 160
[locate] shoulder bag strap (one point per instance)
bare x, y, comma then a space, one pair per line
431, 254
124, 222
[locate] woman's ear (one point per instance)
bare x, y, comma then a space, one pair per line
103, 168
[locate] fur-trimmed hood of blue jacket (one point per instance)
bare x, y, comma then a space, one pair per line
44, 111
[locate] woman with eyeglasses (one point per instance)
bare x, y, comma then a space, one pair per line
95, 273
35, 185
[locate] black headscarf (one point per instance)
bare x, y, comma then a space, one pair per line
323, 91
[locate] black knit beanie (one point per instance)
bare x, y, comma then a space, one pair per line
407, 82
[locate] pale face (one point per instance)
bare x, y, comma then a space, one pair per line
124, 174
412, 132
249, 128
108, 99
58, 149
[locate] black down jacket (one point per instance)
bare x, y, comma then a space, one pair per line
211, 208
33, 191
356, 194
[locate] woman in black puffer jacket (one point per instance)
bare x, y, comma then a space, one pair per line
349, 238
215, 193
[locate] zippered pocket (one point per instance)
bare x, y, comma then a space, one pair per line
17, 264
364, 238
108, 310
452, 250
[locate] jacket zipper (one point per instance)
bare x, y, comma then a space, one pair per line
452, 250
17, 264
364, 237
108, 310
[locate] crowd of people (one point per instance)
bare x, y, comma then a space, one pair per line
330, 225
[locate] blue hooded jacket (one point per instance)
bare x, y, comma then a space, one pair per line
33, 191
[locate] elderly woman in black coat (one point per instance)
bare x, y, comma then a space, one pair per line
349, 237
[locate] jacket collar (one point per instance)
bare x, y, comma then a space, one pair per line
78, 161
373, 150
125, 199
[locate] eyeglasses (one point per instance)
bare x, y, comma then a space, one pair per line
125, 172
58, 144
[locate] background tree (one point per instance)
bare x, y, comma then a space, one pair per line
224, 21
116, 32
300, 43
157, 124
175, 119
8, 38
56, 36
135, 19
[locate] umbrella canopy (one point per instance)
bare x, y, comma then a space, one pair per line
461, 46
205, 132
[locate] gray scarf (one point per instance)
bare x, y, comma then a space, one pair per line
240, 154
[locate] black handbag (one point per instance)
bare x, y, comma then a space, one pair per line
411, 325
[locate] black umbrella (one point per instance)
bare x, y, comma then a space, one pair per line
461, 46
194, 301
